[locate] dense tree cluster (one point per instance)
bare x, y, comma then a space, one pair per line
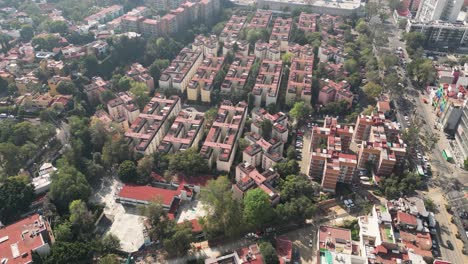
398, 185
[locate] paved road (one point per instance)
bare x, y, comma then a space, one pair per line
412, 105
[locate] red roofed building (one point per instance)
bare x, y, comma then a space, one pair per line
334, 239
406, 221
250, 255
247, 178
284, 249
20, 239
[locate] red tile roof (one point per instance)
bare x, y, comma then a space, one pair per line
334, 234
407, 218
18, 237
148, 193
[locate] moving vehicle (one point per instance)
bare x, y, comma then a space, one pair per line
447, 155
449, 245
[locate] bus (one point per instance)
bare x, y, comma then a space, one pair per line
447, 155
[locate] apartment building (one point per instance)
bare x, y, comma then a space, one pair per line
237, 74
208, 45
31, 234
149, 128
233, 28
261, 19
442, 36
105, 15
263, 153
140, 74
184, 133
281, 32
97, 48
267, 84
305, 52
300, 80
248, 178
220, 145
267, 51
307, 22
331, 91
249, 254
202, 82
279, 121
242, 47
123, 109
94, 89
382, 148
180, 72
328, 53
329, 161
445, 10
348, 8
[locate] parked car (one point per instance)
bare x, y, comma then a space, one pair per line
449, 245
311, 243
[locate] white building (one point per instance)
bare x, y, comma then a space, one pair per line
447, 10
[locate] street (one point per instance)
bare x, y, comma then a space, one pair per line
444, 173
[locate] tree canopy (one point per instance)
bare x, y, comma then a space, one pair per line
257, 208
15, 199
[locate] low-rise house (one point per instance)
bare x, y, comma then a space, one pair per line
247, 178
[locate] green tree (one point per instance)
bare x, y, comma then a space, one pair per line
351, 66
210, 116
225, 214
465, 164
268, 253
66, 87
372, 89
389, 60
15, 199
107, 95
91, 66
414, 41
63, 232
287, 58
178, 243
299, 111
127, 171
81, 219
70, 252
140, 91
257, 208
289, 167
110, 243
267, 129
26, 33
124, 84
144, 168
423, 70
109, 259
158, 218
188, 162
68, 184
391, 81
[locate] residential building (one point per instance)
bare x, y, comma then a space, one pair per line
284, 249
123, 109
149, 128
267, 51
237, 74
54, 81
208, 45
98, 48
250, 254
94, 90
261, 19
242, 47
140, 74
442, 36
42, 182
281, 32
220, 145
331, 91
105, 15
445, 10
248, 178
202, 82
21, 239
180, 72
73, 52
24, 82
335, 239
267, 84
263, 153
349, 8
53, 66
380, 144
330, 161
307, 22
300, 80
278, 120
186, 132
328, 53
232, 28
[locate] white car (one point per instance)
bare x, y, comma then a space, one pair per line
406, 117
419, 156
425, 159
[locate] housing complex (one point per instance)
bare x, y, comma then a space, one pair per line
261, 19
300, 74
202, 82
267, 83
181, 70
281, 32
238, 73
